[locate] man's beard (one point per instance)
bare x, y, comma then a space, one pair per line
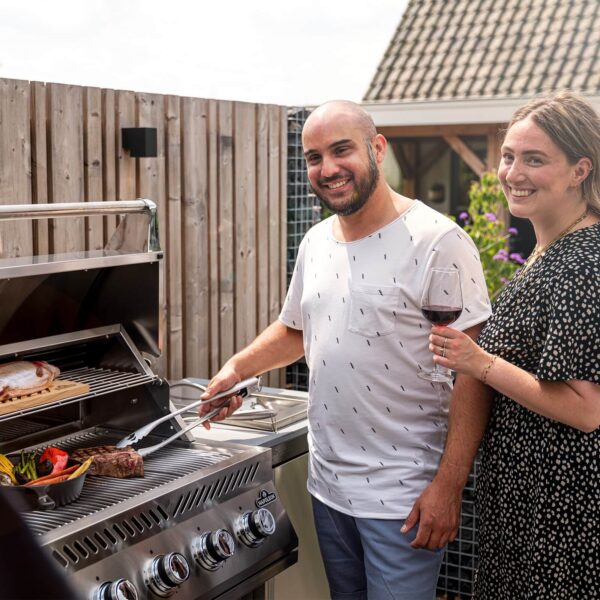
362, 193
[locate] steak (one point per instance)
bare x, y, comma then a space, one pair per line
20, 378
111, 461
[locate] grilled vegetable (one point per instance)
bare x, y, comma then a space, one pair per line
82, 468
7, 468
5, 479
44, 467
57, 457
54, 477
25, 469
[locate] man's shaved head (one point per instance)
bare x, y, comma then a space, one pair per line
340, 143
344, 108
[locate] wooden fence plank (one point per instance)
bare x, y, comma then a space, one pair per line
274, 220
226, 232
39, 164
174, 249
16, 237
66, 160
92, 133
152, 184
110, 141
195, 235
262, 208
245, 223
282, 200
212, 170
126, 165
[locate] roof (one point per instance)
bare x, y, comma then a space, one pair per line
477, 49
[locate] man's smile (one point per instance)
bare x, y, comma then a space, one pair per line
334, 185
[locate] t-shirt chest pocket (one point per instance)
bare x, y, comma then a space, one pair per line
373, 309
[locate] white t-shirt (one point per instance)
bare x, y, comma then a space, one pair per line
376, 430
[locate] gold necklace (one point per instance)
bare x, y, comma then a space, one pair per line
539, 251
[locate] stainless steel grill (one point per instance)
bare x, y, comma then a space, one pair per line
205, 521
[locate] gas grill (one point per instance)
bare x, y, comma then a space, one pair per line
205, 521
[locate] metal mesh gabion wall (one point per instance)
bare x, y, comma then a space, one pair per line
460, 561
303, 211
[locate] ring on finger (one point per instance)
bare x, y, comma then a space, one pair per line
445, 340
444, 352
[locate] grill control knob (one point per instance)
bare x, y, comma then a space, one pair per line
166, 572
121, 589
212, 549
255, 526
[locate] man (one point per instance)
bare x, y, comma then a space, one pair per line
376, 430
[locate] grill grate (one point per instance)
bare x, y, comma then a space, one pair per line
10, 430
98, 493
101, 381
105, 381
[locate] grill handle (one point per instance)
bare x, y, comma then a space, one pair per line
15, 212
139, 235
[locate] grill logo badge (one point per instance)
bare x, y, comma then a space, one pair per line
265, 497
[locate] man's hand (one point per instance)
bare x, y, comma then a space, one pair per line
437, 511
223, 380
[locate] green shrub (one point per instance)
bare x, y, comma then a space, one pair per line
484, 223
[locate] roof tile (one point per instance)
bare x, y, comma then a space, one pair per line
464, 48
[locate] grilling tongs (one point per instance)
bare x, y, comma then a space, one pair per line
243, 388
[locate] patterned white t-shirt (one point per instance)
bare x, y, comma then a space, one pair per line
376, 430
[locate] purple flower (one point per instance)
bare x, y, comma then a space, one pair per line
501, 256
490, 217
515, 256
513, 230
463, 216
504, 280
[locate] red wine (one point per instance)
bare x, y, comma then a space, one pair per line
440, 315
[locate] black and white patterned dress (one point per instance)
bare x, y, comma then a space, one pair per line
538, 494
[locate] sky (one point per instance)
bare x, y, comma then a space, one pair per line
268, 51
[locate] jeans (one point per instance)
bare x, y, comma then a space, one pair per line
371, 559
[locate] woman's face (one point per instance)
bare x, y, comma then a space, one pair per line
535, 174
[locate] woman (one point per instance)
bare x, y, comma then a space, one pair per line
539, 489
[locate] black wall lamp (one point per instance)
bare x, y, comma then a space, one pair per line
140, 141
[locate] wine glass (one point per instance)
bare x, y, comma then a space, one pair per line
441, 304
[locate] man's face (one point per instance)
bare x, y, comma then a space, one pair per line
342, 168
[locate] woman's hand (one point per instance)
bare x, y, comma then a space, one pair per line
457, 351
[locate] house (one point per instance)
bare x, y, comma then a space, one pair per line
456, 70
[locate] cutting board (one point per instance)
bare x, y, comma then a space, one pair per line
58, 390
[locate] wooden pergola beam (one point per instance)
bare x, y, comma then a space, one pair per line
467, 129
474, 162
428, 161
408, 169
493, 151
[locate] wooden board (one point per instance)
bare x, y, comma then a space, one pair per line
16, 237
58, 390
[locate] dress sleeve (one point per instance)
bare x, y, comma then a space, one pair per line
456, 249
572, 344
291, 312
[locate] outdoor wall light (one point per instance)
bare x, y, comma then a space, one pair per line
140, 141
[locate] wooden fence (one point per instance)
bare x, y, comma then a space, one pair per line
219, 182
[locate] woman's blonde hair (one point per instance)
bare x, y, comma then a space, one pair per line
573, 125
